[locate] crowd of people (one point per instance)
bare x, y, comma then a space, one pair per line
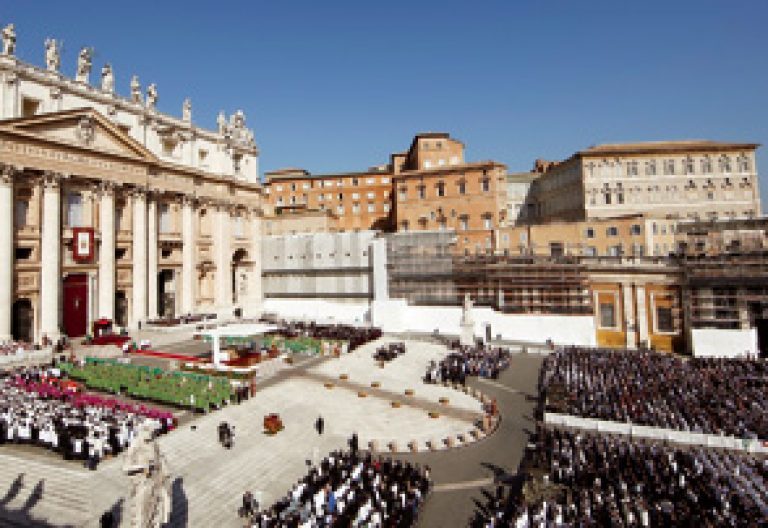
35, 410
701, 395
348, 489
389, 351
586, 479
9, 348
355, 335
463, 361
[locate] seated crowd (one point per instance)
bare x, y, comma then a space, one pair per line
347, 489
702, 395
389, 351
586, 479
9, 348
478, 360
34, 409
355, 335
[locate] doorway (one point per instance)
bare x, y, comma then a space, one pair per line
76, 304
121, 309
22, 320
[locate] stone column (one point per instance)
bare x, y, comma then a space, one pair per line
642, 315
6, 250
629, 315
107, 252
188, 251
152, 257
254, 293
139, 302
223, 291
50, 257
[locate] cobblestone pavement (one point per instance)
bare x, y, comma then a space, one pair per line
209, 480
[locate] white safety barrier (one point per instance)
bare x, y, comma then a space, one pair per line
657, 433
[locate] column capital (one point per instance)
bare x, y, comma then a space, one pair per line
106, 187
189, 200
138, 192
8, 173
52, 180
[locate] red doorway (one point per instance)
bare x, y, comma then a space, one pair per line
76, 304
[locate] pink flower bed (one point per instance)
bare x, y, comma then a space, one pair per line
51, 391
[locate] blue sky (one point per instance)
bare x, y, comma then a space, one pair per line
336, 86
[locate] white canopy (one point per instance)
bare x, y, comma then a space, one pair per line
233, 330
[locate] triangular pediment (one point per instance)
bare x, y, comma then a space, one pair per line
84, 127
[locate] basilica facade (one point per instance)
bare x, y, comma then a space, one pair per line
112, 209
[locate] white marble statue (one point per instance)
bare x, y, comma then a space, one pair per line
221, 122
150, 500
9, 39
135, 89
107, 79
52, 55
186, 110
84, 64
151, 96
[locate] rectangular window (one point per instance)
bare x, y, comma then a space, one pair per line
165, 218
556, 249
487, 222
462, 187
590, 251
370, 181
664, 320
485, 185
371, 208
22, 207
402, 194
371, 195
422, 192
634, 229
386, 207
239, 226
669, 167
612, 231
590, 232
74, 209
607, 315
355, 208
464, 223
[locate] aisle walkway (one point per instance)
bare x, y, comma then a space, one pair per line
464, 476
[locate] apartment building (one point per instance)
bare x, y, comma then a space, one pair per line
428, 187
359, 200
667, 179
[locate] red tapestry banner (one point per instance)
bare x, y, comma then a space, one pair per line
82, 244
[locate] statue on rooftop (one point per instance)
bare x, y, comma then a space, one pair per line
151, 95
221, 122
186, 110
84, 65
107, 79
52, 55
9, 39
135, 89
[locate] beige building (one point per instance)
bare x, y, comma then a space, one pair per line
299, 221
669, 179
630, 235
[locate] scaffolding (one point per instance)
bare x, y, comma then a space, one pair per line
425, 270
728, 291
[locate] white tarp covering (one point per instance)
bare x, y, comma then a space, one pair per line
715, 342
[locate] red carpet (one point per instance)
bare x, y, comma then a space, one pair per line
168, 355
